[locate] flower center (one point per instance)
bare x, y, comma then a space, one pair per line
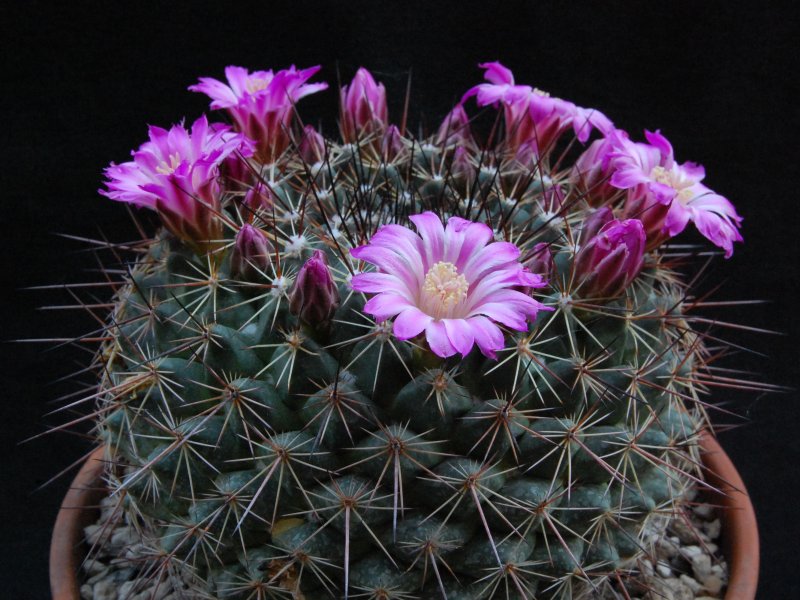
667, 177
167, 169
254, 85
443, 289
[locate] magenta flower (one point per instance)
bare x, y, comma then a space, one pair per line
176, 174
314, 297
261, 103
609, 261
364, 111
452, 283
533, 119
666, 195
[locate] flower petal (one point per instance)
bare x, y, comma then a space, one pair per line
436, 334
410, 323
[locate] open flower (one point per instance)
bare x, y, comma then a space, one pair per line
176, 174
534, 119
452, 283
261, 103
666, 195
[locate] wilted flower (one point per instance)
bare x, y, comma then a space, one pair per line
176, 174
314, 297
534, 120
261, 103
364, 111
452, 283
250, 256
609, 261
666, 195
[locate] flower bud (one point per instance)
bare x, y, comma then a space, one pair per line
454, 130
392, 144
364, 111
610, 261
250, 257
540, 260
258, 197
461, 169
312, 146
314, 297
592, 173
594, 222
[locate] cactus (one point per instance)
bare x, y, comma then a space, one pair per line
402, 367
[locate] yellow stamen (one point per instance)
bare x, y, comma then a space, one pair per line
166, 169
444, 288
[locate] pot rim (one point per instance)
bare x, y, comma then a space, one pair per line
739, 533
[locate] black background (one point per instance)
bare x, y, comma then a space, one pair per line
81, 80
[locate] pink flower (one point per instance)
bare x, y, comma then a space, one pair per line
666, 195
533, 118
610, 260
452, 283
314, 297
261, 103
176, 174
364, 111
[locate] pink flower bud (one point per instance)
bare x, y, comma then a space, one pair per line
258, 197
312, 146
594, 222
592, 173
540, 260
364, 111
461, 168
314, 297
392, 143
454, 130
610, 261
250, 257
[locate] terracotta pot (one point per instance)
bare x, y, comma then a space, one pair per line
739, 530
739, 527
81, 507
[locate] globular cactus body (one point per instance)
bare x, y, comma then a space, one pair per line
274, 433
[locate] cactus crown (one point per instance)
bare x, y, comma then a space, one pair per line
399, 367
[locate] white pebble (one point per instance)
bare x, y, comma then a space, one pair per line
704, 511
663, 570
712, 584
105, 590
701, 566
693, 584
